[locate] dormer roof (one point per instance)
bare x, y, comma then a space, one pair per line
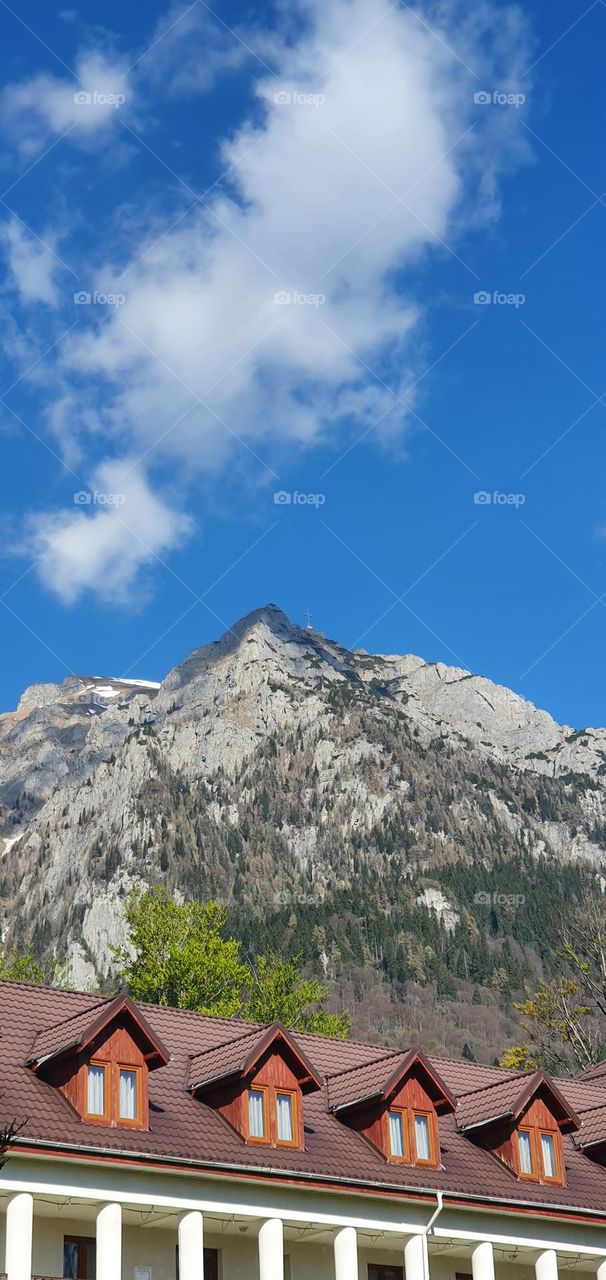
508, 1099
239, 1056
73, 1035
381, 1077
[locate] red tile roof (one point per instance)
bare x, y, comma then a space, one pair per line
239, 1055
509, 1097
593, 1127
184, 1128
379, 1076
78, 1031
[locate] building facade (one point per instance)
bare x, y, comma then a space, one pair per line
155, 1144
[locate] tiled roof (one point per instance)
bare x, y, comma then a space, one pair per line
347, 1087
185, 1128
224, 1060
510, 1097
593, 1127
78, 1030
487, 1104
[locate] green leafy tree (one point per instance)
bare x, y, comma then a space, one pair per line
177, 955
280, 993
17, 966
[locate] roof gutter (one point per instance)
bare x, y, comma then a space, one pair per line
255, 1171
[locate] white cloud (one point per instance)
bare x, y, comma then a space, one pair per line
369, 106
33, 111
116, 528
32, 265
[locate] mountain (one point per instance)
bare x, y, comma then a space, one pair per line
409, 828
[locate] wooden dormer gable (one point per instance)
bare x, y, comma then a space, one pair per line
100, 1060
394, 1102
521, 1120
257, 1082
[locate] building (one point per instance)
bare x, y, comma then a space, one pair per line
153, 1143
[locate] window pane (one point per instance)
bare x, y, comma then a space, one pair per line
96, 1091
285, 1128
422, 1137
525, 1152
128, 1095
396, 1134
256, 1114
548, 1152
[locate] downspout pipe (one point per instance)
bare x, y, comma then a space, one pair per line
426, 1230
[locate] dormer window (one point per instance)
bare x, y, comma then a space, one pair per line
397, 1135
285, 1119
539, 1155
273, 1116
521, 1119
96, 1090
257, 1115
394, 1102
100, 1059
256, 1081
525, 1153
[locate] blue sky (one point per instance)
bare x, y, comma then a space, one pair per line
243, 264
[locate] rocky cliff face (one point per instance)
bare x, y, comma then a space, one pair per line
299, 782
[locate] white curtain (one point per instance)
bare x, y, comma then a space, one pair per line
256, 1118
285, 1130
128, 1095
548, 1150
422, 1137
96, 1091
525, 1151
396, 1134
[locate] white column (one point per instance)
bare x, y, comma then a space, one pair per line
546, 1265
601, 1271
415, 1258
482, 1261
109, 1242
191, 1246
346, 1254
271, 1250
19, 1229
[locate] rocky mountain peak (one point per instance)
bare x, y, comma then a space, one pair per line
277, 757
